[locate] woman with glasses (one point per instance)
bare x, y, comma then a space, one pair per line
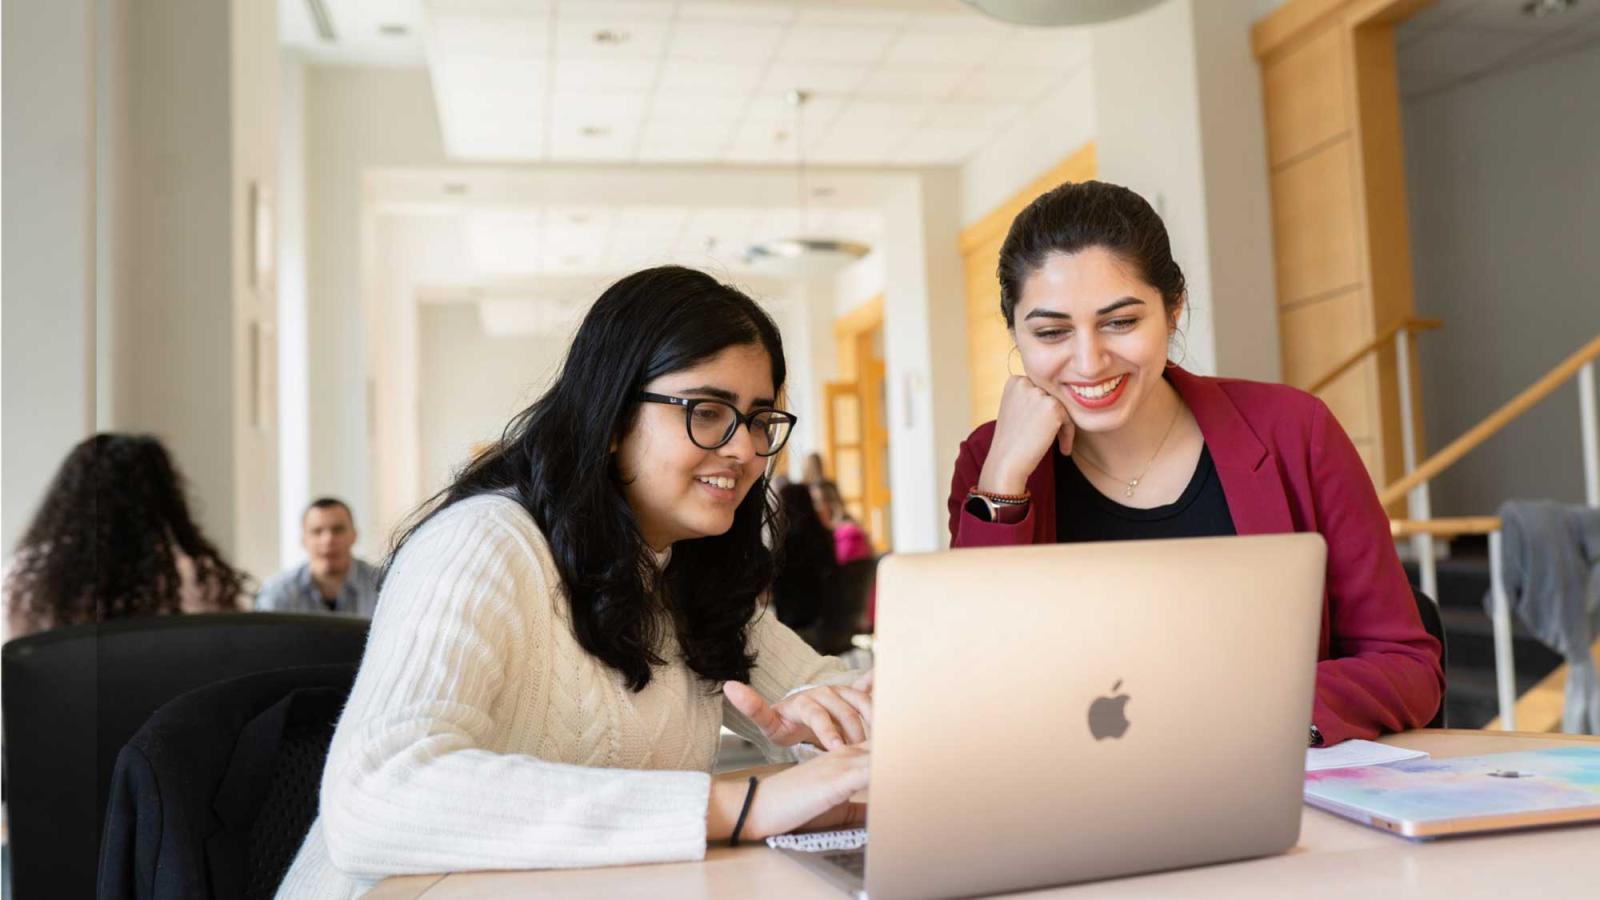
563, 630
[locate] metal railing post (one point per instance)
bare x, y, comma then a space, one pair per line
1591, 442
1505, 668
1418, 501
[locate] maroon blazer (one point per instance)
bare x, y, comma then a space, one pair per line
1285, 466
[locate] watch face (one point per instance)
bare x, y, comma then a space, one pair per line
980, 509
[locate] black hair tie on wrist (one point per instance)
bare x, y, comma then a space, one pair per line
738, 826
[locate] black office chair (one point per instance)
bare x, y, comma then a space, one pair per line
213, 797
74, 696
1431, 620
844, 600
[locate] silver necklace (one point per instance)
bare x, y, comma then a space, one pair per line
1133, 483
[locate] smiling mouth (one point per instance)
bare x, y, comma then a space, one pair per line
717, 481
1098, 391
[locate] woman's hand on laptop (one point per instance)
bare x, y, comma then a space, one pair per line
830, 716
814, 794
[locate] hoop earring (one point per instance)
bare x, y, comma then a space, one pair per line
1018, 351
1184, 352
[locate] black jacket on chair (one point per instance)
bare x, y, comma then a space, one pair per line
214, 795
75, 695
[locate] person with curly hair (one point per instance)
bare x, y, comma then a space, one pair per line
114, 538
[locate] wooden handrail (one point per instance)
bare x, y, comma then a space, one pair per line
1496, 420
1444, 528
1384, 337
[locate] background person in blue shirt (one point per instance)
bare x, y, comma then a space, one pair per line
332, 579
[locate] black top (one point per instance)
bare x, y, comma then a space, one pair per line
1084, 514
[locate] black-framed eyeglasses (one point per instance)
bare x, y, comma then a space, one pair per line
711, 423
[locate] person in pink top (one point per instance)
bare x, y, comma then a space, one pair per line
850, 541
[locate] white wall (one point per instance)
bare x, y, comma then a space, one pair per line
471, 384
1178, 119
49, 250
1503, 191
294, 340
925, 353
355, 119
1029, 147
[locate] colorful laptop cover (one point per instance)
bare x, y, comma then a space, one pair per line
1433, 797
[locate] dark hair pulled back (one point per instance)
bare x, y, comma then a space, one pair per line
1076, 216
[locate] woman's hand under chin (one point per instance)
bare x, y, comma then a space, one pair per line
1030, 420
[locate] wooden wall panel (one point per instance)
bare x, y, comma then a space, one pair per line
1306, 93
988, 341
1338, 203
1316, 336
1317, 238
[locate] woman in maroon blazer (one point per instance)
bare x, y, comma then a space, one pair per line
1103, 438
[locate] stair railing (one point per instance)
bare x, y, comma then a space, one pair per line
1425, 529
1419, 505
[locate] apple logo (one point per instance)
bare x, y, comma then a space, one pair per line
1107, 716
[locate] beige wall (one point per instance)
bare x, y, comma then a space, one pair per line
355, 119
47, 346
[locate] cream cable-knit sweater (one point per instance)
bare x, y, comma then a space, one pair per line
480, 735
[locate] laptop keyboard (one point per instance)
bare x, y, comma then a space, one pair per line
852, 861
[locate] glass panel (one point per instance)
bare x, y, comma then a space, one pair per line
846, 419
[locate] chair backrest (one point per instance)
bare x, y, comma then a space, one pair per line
1434, 623
213, 797
843, 601
74, 696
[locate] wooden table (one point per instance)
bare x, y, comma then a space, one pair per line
1335, 858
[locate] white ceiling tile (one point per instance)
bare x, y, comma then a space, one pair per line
1430, 17
736, 11
707, 77
941, 145
839, 16
772, 108
965, 22
818, 78
618, 10
837, 44
1016, 83
957, 49
724, 41
582, 75
1051, 48
488, 7
885, 115
650, 219
505, 243
516, 37
575, 38
609, 109
692, 110
912, 81
684, 142
861, 145
571, 261
957, 115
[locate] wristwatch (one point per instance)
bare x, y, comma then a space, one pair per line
986, 507
1316, 737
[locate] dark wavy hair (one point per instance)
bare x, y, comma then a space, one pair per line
1077, 215
101, 545
554, 458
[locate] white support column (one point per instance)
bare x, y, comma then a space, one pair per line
1505, 668
1418, 503
1591, 441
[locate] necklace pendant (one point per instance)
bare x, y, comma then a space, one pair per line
1131, 485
